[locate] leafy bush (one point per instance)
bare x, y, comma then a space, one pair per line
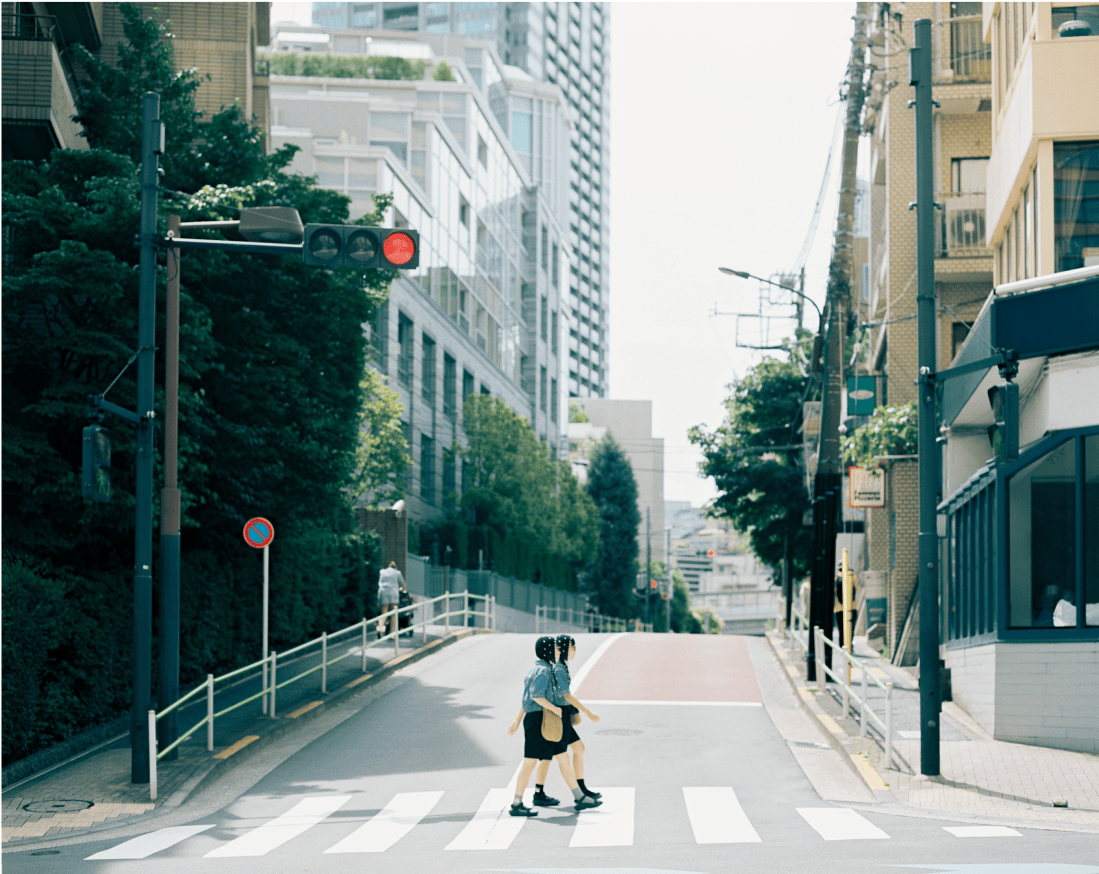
345, 66
890, 431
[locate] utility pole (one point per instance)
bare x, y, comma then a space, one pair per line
828, 482
152, 145
919, 74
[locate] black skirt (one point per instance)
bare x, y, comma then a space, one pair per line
534, 745
568, 735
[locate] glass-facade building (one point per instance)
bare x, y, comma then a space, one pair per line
485, 310
565, 44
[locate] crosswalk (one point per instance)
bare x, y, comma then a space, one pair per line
715, 813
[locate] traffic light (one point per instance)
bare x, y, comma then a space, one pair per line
652, 585
361, 247
96, 469
1004, 432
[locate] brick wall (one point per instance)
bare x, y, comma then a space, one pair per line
903, 504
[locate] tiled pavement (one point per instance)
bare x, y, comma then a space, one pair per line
94, 788
980, 777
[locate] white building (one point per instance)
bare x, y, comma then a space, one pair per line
485, 310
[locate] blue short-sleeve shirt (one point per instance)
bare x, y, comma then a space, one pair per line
561, 675
537, 684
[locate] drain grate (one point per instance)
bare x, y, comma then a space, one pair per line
61, 806
620, 732
808, 744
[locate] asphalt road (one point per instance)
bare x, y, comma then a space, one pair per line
696, 778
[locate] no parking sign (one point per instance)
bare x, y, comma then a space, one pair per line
258, 532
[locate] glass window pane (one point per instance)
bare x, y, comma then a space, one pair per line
388, 126
1042, 542
1076, 204
330, 172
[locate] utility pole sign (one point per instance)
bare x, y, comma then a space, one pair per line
259, 533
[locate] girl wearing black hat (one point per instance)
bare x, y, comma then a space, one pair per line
536, 691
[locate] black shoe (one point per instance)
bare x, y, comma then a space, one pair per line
541, 799
522, 810
587, 802
590, 794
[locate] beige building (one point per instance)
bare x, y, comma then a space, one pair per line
962, 66
630, 423
40, 77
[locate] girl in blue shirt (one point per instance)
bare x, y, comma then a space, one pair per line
537, 688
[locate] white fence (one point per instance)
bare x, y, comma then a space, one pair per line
430, 612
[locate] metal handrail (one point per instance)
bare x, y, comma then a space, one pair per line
849, 695
799, 625
272, 686
586, 618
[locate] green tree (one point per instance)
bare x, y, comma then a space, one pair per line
443, 73
271, 396
382, 458
754, 459
890, 431
611, 485
524, 510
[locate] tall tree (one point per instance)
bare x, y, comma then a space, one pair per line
612, 487
754, 458
272, 357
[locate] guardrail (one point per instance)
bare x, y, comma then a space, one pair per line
799, 631
849, 695
595, 622
271, 686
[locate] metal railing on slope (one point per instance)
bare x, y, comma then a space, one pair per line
271, 685
545, 618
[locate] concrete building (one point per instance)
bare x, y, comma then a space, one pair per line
630, 424
40, 77
1020, 565
962, 66
484, 311
566, 44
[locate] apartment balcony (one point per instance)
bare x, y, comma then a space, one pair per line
38, 89
970, 55
962, 230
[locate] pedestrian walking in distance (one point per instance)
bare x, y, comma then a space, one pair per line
536, 689
390, 581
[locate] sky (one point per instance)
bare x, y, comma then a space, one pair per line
722, 115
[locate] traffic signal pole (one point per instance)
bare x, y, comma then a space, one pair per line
919, 74
152, 145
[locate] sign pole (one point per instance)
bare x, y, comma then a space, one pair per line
266, 578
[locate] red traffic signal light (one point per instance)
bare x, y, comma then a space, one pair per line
652, 584
361, 247
710, 553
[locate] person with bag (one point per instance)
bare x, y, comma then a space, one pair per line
566, 651
390, 582
542, 730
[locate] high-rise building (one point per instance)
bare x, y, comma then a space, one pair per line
565, 44
473, 154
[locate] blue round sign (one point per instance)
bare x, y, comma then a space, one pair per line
258, 532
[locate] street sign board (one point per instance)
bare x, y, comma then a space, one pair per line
866, 488
258, 532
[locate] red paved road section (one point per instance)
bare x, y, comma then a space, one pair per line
672, 667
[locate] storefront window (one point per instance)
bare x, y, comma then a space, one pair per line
1042, 541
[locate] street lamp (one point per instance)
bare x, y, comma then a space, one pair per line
744, 275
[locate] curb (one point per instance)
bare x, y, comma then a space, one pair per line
207, 772
838, 738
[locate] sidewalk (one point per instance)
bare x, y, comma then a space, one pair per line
980, 778
92, 791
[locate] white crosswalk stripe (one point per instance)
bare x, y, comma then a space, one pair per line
841, 824
610, 825
717, 817
298, 819
492, 827
145, 845
392, 823
714, 812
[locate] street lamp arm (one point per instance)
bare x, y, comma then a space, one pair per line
745, 275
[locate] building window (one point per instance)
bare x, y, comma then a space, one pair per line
1045, 500
545, 248
958, 333
379, 338
463, 210
969, 175
544, 327
553, 332
482, 152
554, 403
450, 479
556, 268
1076, 204
467, 385
404, 352
427, 469
428, 371
542, 389
450, 386
1062, 15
